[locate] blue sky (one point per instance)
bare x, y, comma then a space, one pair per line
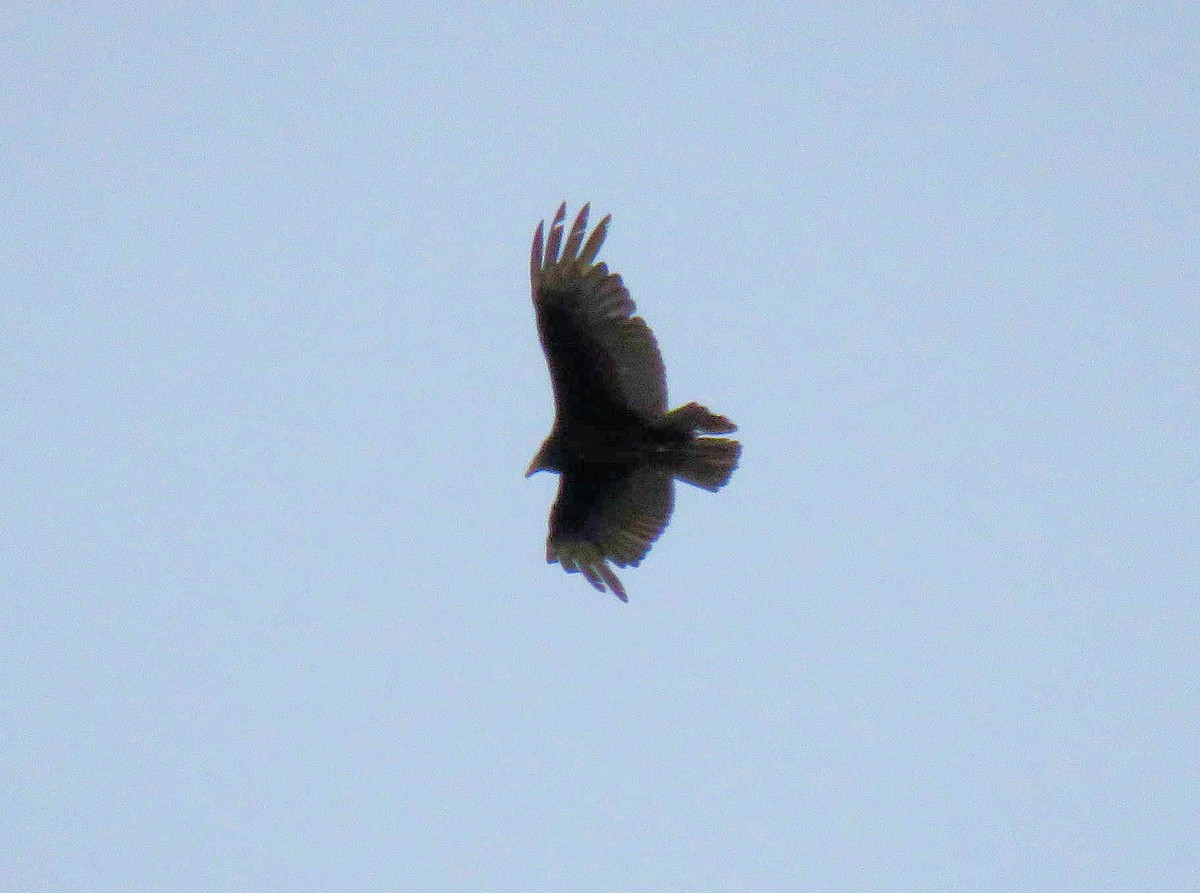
276, 614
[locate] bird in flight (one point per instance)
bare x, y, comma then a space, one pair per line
615, 447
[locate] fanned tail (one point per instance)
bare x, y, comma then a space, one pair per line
707, 462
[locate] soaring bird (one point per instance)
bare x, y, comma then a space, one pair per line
615, 447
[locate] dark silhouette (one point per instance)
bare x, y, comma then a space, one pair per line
617, 449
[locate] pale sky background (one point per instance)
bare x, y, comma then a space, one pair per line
275, 610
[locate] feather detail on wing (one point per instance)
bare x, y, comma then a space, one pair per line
597, 350
609, 516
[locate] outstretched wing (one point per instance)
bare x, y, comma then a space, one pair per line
607, 515
602, 358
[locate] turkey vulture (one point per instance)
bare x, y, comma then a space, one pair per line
617, 449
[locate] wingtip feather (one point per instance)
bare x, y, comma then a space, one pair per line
554, 240
535, 255
577, 230
592, 247
586, 559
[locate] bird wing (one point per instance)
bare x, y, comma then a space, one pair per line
607, 514
601, 357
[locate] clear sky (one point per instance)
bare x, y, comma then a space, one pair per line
275, 613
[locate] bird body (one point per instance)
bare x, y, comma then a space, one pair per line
616, 448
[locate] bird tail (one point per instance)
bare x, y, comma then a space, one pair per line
707, 462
